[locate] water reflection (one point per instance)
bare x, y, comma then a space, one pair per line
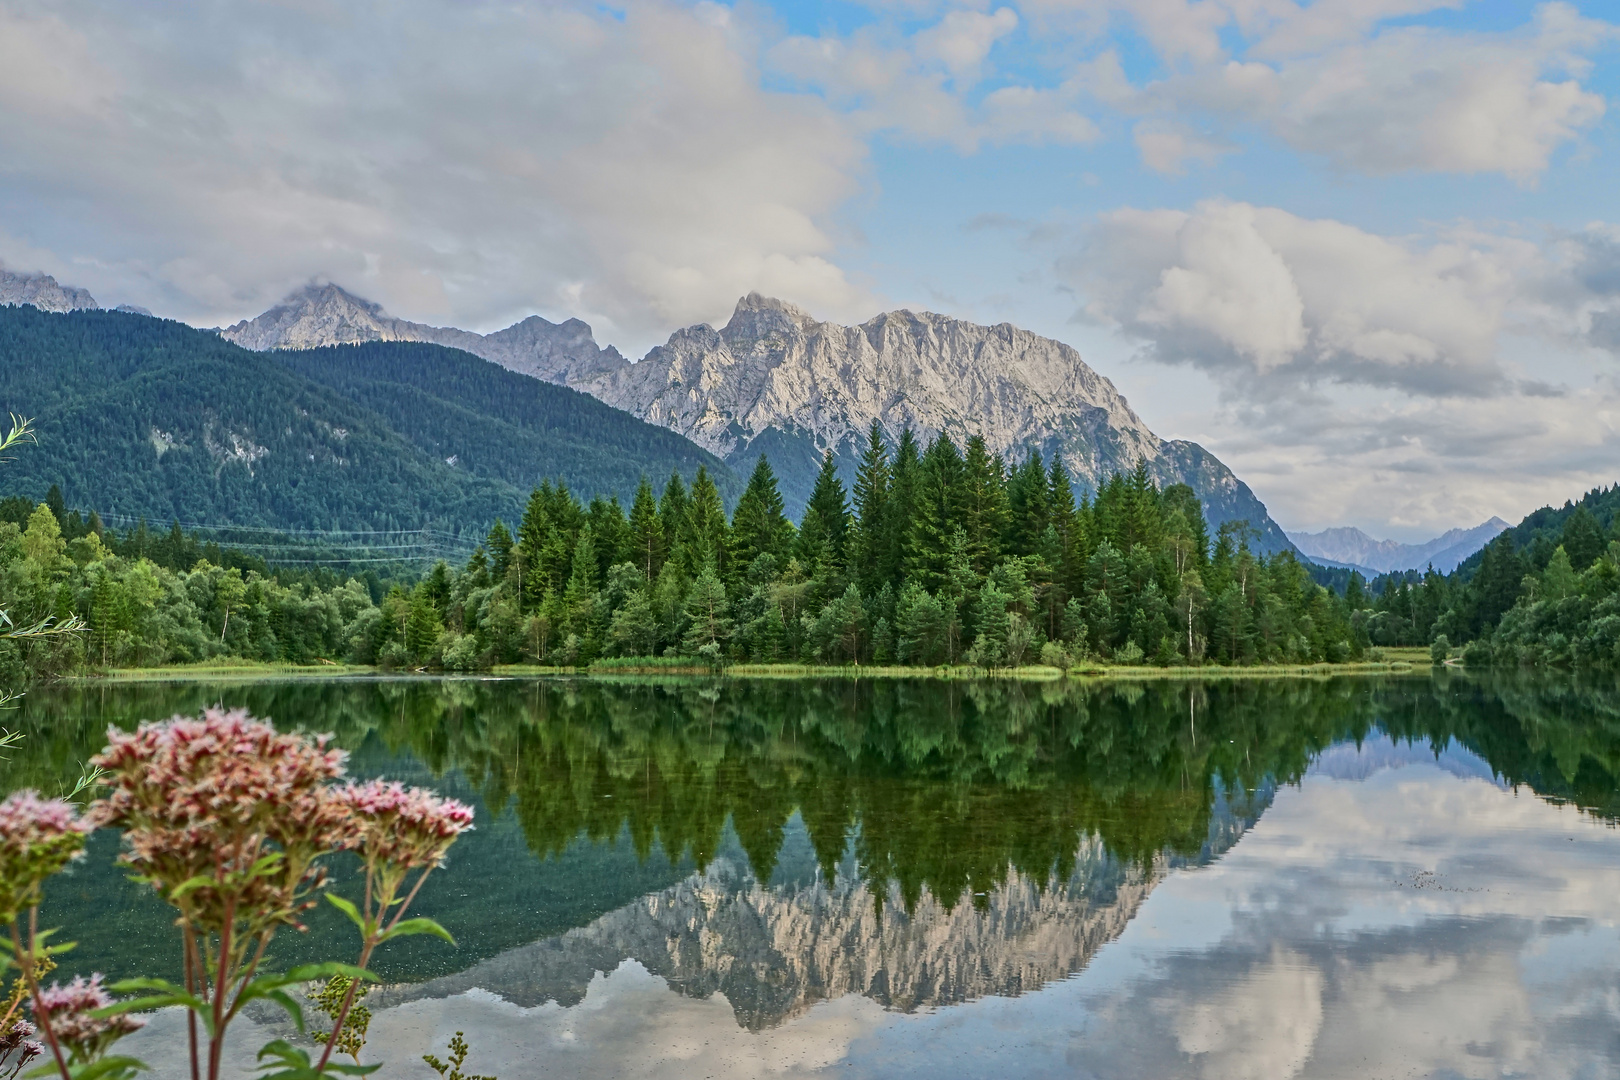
1355, 877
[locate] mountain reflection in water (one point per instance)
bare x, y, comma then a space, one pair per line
777, 847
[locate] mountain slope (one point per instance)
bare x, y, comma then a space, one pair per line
147, 417
1352, 547
492, 422
775, 381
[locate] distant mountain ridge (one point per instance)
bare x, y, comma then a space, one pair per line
324, 314
776, 381
1353, 548
42, 291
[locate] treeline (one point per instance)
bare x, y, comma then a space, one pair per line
1544, 593
940, 555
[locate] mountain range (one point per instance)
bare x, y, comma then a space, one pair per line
773, 380
145, 417
1353, 548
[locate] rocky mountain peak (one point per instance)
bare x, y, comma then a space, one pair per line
776, 380
320, 313
42, 291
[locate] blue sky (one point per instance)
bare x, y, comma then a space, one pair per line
1364, 250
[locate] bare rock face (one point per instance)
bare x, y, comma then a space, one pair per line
320, 315
776, 381
42, 291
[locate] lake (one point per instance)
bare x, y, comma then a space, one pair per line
1395, 876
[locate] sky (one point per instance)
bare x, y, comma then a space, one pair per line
1366, 251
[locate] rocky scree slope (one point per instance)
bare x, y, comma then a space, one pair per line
776, 381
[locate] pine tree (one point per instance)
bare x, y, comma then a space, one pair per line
868, 542
901, 509
707, 536
709, 622
646, 532
1582, 539
499, 544
672, 511
984, 504
826, 517
939, 497
758, 526
1028, 507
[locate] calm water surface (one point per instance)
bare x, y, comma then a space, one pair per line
1396, 877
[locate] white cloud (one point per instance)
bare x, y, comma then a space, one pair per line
933, 85
1269, 299
1407, 384
1328, 78
1167, 146
463, 163
962, 39
1426, 100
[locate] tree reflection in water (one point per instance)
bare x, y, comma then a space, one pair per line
918, 795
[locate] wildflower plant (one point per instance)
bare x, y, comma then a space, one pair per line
230, 822
395, 830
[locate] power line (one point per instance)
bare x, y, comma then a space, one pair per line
213, 527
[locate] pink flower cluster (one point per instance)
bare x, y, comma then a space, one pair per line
208, 796
68, 1009
400, 826
38, 837
19, 1039
28, 821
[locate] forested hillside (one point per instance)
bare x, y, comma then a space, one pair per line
142, 417
941, 555
501, 424
1544, 592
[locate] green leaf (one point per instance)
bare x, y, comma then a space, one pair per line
311, 972
351, 911
412, 927
292, 1063
117, 1067
191, 884
294, 1010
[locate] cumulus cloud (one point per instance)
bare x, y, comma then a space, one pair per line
1330, 79
1419, 99
465, 163
1266, 297
931, 85
1428, 381
1167, 146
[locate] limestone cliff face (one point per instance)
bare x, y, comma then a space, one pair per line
776, 381
42, 291
320, 315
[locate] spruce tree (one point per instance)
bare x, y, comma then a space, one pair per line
758, 526
984, 504
1582, 539
646, 532
826, 518
939, 497
707, 536
901, 509
869, 540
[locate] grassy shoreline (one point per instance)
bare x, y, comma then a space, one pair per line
1394, 661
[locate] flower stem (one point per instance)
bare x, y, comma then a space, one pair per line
25, 961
